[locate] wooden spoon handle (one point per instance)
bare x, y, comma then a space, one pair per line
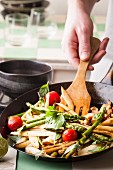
81, 73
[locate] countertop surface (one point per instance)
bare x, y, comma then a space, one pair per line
103, 162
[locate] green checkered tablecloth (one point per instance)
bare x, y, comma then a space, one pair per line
47, 48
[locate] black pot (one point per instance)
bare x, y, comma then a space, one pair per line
20, 76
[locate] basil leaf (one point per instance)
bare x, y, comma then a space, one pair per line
59, 121
51, 112
44, 89
56, 121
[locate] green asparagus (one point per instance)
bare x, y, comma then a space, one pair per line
87, 133
31, 125
36, 109
100, 138
35, 120
76, 127
73, 117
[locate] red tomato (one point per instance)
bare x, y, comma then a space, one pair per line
14, 123
69, 135
53, 97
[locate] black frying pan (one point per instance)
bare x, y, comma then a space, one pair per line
100, 93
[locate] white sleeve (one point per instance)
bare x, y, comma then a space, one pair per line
109, 28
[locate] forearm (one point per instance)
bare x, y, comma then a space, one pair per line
82, 5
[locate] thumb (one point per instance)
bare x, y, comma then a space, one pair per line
84, 47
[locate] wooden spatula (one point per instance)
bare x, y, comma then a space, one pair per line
77, 90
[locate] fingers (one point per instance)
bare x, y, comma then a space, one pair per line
98, 56
84, 35
101, 52
104, 44
70, 47
90, 67
72, 54
84, 47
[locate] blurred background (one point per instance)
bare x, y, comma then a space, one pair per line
100, 9
49, 48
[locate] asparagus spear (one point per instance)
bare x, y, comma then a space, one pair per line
76, 127
100, 138
73, 117
87, 133
71, 150
36, 109
35, 120
28, 126
40, 109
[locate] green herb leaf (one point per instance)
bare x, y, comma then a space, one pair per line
56, 120
57, 136
59, 121
44, 89
51, 112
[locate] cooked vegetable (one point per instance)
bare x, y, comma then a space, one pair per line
14, 122
52, 128
53, 97
28, 126
69, 135
85, 135
95, 124
75, 126
100, 138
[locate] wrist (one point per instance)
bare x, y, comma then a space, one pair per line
81, 5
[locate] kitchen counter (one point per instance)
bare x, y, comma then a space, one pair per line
103, 162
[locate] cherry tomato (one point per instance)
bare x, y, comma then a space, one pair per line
14, 123
53, 97
69, 135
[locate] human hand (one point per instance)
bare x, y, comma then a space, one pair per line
76, 39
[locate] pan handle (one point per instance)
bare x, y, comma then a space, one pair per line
108, 79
